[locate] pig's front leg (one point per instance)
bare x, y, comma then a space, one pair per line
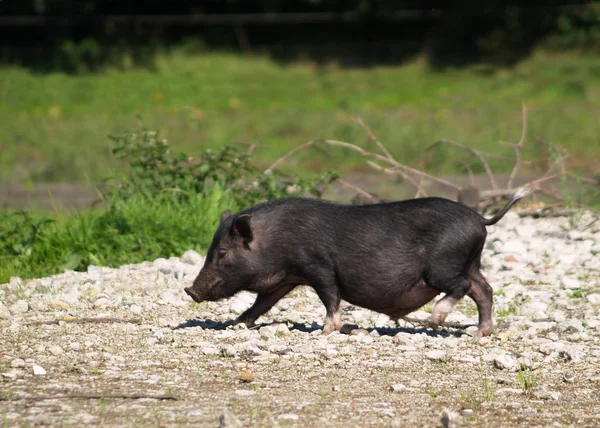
327, 290
262, 304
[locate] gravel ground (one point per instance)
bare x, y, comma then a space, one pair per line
127, 347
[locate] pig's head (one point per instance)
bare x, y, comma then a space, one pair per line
229, 265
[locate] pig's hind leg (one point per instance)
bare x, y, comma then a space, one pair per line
262, 304
454, 286
482, 293
441, 310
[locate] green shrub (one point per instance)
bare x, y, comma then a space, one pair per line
151, 167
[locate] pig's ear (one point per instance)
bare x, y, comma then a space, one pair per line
225, 215
241, 228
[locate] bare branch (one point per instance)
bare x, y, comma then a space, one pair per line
420, 189
355, 188
584, 179
373, 137
288, 154
487, 194
517, 148
397, 172
469, 173
395, 163
479, 155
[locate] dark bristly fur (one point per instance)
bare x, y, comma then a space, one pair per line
391, 257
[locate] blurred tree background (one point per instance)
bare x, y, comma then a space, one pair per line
75, 35
279, 73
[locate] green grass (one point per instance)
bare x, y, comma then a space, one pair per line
141, 228
55, 126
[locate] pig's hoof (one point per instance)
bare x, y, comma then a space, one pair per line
243, 320
483, 331
432, 325
332, 324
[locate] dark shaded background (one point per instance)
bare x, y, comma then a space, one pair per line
47, 34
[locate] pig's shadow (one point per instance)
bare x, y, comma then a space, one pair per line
209, 324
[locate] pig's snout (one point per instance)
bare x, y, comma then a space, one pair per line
190, 292
205, 287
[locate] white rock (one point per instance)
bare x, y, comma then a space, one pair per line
209, 350
436, 355
4, 311
282, 329
168, 298
594, 298
573, 354
241, 301
542, 392
192, 258
548, 348
420, 316
244, 392
513, 290
102, 303
497, 246
593, 323
505, 362
135, 309
229, 351
398, 387
17, 363
570, 283
267, 332
515, 247
38, 370
360, 315
253, 350
289, 417
19, 307
55, 350
534, 309
302, 349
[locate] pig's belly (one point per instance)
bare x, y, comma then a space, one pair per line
395, 303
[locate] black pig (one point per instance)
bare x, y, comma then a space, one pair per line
391, 257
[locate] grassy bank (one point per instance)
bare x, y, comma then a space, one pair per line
55, 126
140, 228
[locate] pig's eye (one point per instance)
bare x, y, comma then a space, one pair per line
221, 253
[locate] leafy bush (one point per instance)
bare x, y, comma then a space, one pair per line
151, 167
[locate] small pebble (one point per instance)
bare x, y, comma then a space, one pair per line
398, 387
289, 417
56, 350
17, 363
38, 370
